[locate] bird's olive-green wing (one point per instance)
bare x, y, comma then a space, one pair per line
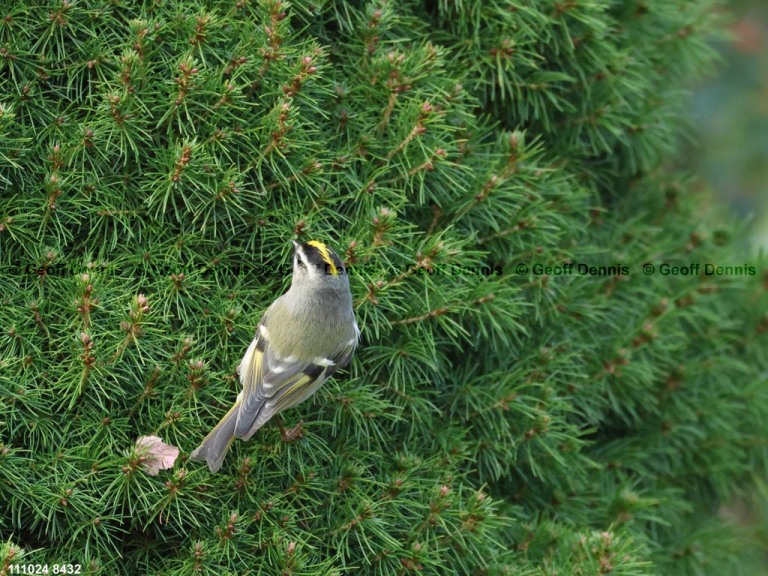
272, 383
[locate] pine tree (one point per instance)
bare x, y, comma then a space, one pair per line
547, 383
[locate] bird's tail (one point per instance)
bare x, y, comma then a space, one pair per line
214, 447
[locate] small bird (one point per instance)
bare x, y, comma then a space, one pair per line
302, 339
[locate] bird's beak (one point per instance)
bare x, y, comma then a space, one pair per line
295, 245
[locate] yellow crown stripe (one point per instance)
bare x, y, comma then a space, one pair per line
325, 254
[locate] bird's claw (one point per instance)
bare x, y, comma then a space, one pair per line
291, 434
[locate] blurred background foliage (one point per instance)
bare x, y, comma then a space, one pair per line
729, 113
729, 151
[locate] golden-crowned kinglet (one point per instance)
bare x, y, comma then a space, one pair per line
302, 339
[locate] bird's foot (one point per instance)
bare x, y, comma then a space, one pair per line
291, 434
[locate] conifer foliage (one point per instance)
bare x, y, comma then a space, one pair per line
529, 397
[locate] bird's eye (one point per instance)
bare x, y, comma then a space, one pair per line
299, 261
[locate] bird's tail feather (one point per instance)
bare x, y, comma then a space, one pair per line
214, 447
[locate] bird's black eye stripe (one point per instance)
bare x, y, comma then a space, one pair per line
299, 261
